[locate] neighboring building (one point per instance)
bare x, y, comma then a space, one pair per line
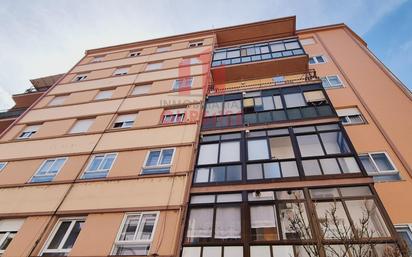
26, 99
253, 140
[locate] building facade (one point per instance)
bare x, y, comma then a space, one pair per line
255, 140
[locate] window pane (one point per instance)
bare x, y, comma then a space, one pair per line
208, 154
202, 199
210, 252
200, 223
146, 227
234, 173
367, 219
294, 100
289, 195
382, 162
309, 145
108, 161
324, 193
213, 109
233, 251
227, 222
334, 80
217, 174
311, 168
329, 228
271, 170
254, 171
167, 155
289, 169
278, 102
226, 198
229, 152
57, 165
263, 223
61, 231
349, 165
330, 166
202, 175
355, 191
368, 164
129, 228
281, 148
268, 103
153, 158
73, 235
192, 251
232, 107
139, 250
97, 160
260, 251
257, 149
290, 214
334, 143
45, 167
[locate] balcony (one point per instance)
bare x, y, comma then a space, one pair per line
268, 59
13, 113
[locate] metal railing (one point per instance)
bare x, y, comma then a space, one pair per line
301, 79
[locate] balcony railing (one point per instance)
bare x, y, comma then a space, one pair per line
257, 52
303, 78
4, 114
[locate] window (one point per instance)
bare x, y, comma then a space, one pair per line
405, 233
196, 43
63, 237
8, 230
209, 153
29, 131
294, 100
136, 234
317, 59
2, 165
154, 66
173, 116
124, 121
161, 49
106, 94
380, 166
121, 71
332, 143
81, 126
141, 89
350, 116
58, 100
314, 97
158, 161
80, 77
99, 166
183, 83
332, 81
97, 59
307, 41
279, 80
48, 170
135, 53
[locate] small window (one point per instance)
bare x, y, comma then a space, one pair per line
279, 80
136, 234
48, 170
350, 116
2, 165
121, 71
173, 116
380, 166
161, 49
307, 41
81, 126
314, 97
99, 166
196, 43
124, 121
294, 100
80, 77
135, 53
158, 161
106, 94
332, 81
183, 83
58, 100
317, 59
29, 131
63, 237
141, 89
97, 59
154, 66
405, 233
8, 230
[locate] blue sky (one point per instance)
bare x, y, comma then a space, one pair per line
45, 37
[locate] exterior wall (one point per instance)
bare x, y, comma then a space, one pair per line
381, 100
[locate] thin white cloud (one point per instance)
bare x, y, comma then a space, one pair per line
40, 38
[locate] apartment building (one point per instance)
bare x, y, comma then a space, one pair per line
24, 100
257, 140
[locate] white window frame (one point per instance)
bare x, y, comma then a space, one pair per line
98, 58
8, 232
66, 235
126, 123
180, 79
135, 53
97, 97
135, 242
31, 132
57, 100
80, 77
379, 172
121, 71
346, 119
329, 84
3, 165
196, 43
47, 174
174, 118
405, 227
160, 157
98, 170
315, 60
